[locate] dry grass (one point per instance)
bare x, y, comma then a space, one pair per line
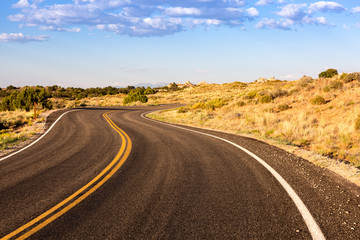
329, 129
20, 126
276, 111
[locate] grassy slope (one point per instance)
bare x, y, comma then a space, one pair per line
289, 118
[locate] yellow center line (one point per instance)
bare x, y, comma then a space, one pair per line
124, 148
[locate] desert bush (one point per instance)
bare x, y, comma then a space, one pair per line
352, 77
318, 100
240, 104
283, 107
215, 103
210, 105
183, 110
357, 123
335, 85
328, 73
294, 90
262, 93
198, 105
251, 95
343, 75
304, 81
266, 99
327, 89
279, 93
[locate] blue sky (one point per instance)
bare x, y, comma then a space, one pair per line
90, 43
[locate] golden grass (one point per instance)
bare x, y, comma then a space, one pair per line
20, 126
328, 129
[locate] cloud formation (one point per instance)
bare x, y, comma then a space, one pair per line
19, 37
324, 6
132, 17
163, 17
355, 10
301, 14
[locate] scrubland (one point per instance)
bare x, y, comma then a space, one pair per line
321, 115
19, 126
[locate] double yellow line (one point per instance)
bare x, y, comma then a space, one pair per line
53, 213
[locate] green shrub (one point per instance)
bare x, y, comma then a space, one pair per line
357, 123
328, 73
149, 90
266, 99
352, 77
283, 107
136, 95
318, 100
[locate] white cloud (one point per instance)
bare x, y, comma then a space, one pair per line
294, 12
324, 6
179, 11
263, 2
59, 29
20, 37
21, 4
322, 20
162, 17
253, 12
355, 10
235, 2
273, 24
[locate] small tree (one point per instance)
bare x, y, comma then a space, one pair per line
136, 95
149, 90
328, 73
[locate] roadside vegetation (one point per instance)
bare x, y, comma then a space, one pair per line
321, 115
22, 110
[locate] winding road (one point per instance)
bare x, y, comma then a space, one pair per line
111, 173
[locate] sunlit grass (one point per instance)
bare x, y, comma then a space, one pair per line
286, 114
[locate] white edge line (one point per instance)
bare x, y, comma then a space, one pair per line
313, 227
22, 149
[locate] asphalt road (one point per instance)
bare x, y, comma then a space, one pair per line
163, 182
